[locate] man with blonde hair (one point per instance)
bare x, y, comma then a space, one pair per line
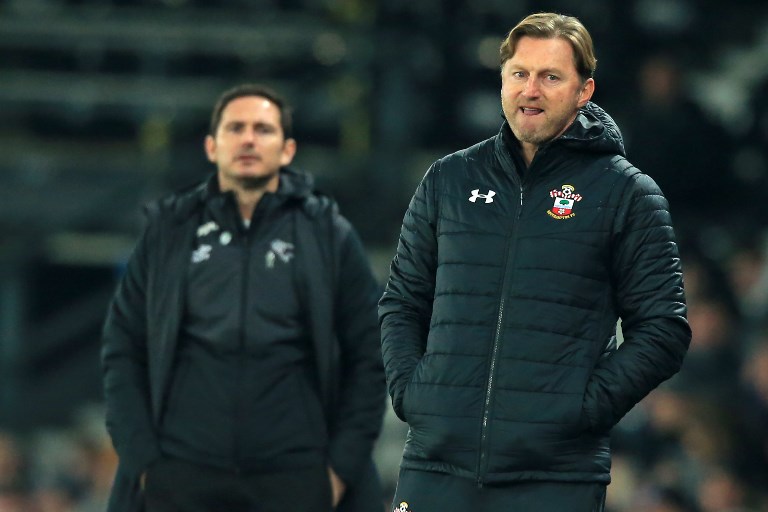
516, 258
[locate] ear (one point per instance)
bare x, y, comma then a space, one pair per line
210, 148
289, 151
586, 92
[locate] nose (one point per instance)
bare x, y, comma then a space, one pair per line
531, 88
249, 136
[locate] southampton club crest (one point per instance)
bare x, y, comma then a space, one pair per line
564, 201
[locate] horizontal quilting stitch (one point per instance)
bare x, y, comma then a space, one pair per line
444, 415
476, 227
523, 327
473, 232
530, 392
648, 214
550, 300
413, 213
555, 232
570, 240
464, 263
453, 354
652, 256
557, 271
640, 295
651, 228
482, 323
546, 363
470, 294
650, 194
529, 422
444, 385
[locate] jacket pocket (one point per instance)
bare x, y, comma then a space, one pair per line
404, 404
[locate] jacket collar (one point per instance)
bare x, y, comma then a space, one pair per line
593, 131
294, 184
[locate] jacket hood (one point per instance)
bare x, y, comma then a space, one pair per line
295, 183
595, 131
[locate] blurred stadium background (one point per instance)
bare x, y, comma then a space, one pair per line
104, 105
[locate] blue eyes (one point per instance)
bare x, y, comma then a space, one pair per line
520, 75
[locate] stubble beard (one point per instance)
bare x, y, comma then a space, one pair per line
254, 182
542, 134
531, 136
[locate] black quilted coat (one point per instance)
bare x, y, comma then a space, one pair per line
499, 317
141, 333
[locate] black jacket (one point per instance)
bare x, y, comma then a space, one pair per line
142, 325
499, 317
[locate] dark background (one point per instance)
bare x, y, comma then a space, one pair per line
105, 104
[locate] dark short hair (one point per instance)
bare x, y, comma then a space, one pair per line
550, 25
262, 91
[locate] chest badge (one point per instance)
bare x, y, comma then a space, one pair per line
565, 199
278, 250
201, 254
207, 228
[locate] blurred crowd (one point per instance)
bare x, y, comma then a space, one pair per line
58, 470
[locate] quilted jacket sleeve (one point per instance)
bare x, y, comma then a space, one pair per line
124, 365
648, 292
406, 306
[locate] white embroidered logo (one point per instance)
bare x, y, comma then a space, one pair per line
207, 228
202, 253
278, 249
488, 197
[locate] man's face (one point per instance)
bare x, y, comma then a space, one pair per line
541, 90
249, 146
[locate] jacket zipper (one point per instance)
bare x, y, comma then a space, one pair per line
246, 240
249, 234
482, 457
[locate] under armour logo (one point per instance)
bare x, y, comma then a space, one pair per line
488, 197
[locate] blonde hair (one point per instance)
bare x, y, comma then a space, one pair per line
549, 25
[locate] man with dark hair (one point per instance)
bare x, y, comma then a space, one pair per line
516, 258
242, 369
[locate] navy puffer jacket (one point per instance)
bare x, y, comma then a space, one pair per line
499, 317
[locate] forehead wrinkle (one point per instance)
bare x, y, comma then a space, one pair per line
551, 51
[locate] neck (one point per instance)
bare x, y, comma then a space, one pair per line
248, 192
247, 201
529, 151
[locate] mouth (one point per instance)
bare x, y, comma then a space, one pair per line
248, 158
530, 111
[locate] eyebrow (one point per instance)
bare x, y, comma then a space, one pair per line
555, 71
236, 122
